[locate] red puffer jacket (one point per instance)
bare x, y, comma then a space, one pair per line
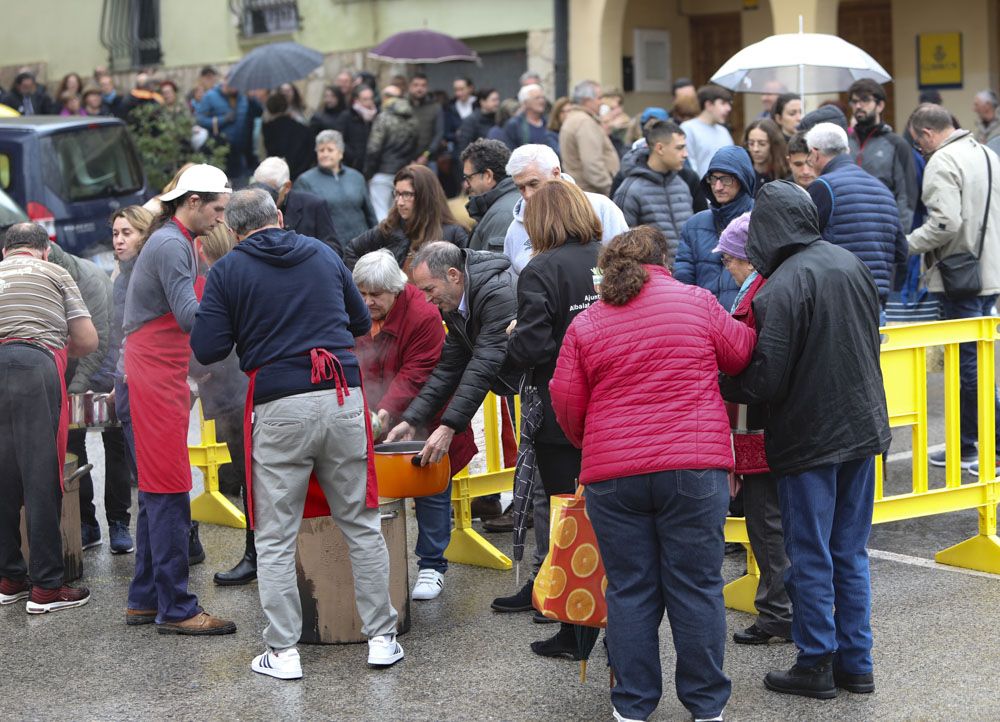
636, 386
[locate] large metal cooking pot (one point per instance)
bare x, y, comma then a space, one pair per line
397, 466
91, 409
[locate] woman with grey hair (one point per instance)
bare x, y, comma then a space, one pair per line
397, 358
344, 189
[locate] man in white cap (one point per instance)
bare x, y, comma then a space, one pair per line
160, 306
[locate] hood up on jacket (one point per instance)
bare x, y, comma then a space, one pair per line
278, 247
783, 222
735, 161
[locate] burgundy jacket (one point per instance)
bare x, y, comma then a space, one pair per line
399, 360
636, 386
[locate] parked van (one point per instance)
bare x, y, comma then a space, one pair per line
70, 174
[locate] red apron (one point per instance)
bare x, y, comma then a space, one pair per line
325, 366
157, 356
62, 430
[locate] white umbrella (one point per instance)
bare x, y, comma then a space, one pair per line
811, 62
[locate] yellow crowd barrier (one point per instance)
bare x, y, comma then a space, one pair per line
904, 370
467, 545
211, 506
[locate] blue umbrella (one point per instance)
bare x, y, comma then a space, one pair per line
268, 66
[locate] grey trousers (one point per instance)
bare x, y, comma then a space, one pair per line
763, 515
292, 437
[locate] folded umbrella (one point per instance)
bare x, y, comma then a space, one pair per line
524, 471
268, 66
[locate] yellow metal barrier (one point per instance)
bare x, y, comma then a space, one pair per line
211, 506
467, 545
904, 370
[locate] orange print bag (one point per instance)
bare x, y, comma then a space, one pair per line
571, 583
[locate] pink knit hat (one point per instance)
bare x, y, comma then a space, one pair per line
733, 240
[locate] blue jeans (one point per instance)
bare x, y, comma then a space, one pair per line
969, 415
826, 514
433, 530
162, 533
661, 539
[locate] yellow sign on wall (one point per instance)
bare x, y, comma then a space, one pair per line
939, 59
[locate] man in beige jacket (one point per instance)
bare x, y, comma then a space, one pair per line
587, 153
961, 191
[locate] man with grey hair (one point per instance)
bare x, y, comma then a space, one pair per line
304, 212
987, 121
587, 152
962, 193
529, 166
529, 125
856, 210
396, 362
288, 303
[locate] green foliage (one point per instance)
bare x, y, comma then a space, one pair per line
163, 139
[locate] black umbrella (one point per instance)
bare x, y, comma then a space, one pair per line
268, 66
524, 472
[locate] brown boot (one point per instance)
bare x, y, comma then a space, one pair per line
201, 624
135, 617
486, 507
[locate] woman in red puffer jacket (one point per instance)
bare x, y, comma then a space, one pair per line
636, 387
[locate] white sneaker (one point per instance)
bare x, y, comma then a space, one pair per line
429, 584
619, 718
283, 665
384, 651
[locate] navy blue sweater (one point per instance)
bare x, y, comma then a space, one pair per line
276, 296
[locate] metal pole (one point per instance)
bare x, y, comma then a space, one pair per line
802, 76
560, 27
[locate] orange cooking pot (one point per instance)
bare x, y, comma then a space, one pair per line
397, 466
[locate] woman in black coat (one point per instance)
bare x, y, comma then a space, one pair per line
355, 124
555, 286
419, 214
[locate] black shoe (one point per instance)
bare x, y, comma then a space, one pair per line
539, 618
856, 683
243, 573
755, 635
196, 552
563, 644
734, 548
815, 682
486, 507
520, 602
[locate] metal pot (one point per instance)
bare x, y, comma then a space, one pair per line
397, 466
77, 411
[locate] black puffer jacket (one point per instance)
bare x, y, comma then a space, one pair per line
552, 290
397, 242
655, 199
473, 128
816, 365
473, 360
355, 130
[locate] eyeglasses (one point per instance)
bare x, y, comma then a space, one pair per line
405, 195
856, 100
726, 180
470, 176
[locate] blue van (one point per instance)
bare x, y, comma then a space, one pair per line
70, 174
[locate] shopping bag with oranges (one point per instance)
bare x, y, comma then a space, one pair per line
571, 583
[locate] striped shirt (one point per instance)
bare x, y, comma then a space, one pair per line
37, 299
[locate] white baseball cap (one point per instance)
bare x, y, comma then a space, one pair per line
201, 178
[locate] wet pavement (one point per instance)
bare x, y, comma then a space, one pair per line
935, 648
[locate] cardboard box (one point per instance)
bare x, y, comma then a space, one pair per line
326, 580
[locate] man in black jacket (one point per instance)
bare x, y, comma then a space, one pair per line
305, 213
816, 367
26, 98
475, 292
492, 193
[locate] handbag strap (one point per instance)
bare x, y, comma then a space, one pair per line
989, 195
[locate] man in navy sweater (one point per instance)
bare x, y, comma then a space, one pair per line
289, 305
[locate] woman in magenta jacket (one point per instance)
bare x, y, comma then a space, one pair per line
636, 387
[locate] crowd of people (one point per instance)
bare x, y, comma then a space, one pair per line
729, 342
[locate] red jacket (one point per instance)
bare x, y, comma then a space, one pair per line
396, 363
636, 386
747, 421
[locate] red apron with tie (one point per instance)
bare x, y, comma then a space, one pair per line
157, 357
325, 367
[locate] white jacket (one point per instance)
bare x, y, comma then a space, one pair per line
955, 194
